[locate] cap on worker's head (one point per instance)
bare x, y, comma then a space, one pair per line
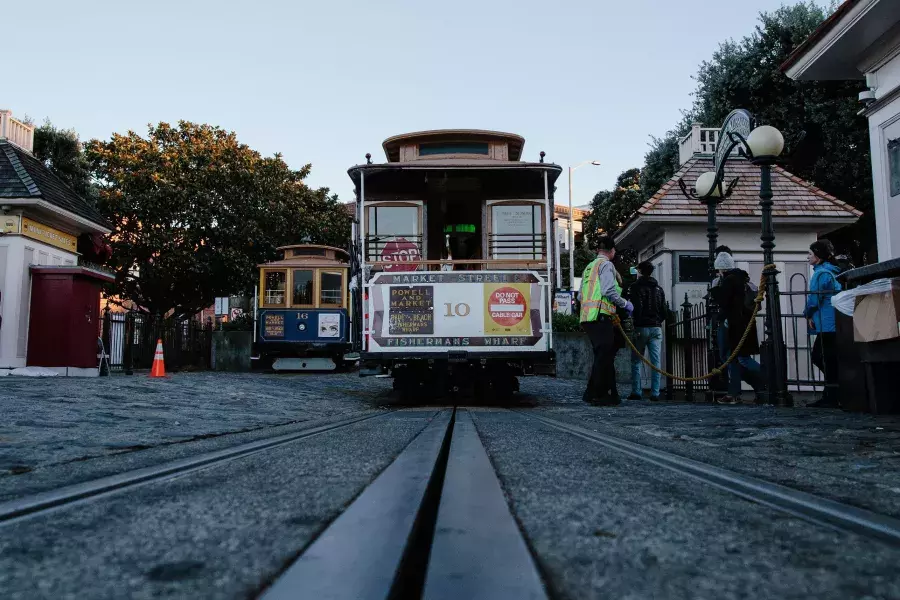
724, 262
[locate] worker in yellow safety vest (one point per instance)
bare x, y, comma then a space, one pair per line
601, 296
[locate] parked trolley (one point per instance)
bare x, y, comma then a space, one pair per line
303, 319
453, 246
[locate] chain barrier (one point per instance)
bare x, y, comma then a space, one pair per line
721, 368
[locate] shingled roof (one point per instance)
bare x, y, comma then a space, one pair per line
793, 197
24, 176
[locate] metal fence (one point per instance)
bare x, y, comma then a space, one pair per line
130, 341
687, 343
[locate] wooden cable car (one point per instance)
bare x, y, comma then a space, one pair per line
303, 315
453, 246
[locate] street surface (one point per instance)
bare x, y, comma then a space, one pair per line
596, 522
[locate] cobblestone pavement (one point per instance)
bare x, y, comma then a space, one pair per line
59, 420
597, 520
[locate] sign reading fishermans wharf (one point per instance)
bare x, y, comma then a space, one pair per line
411, 310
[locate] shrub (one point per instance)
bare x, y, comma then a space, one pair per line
566, 323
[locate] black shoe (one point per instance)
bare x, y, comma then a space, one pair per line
608, 400
635, 397
727, 400
654, 398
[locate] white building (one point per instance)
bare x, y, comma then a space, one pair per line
670, 230
861, 40
40, 221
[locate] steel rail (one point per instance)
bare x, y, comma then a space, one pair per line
809, 507
19, 508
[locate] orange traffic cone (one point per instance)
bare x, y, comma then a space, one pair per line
159, 365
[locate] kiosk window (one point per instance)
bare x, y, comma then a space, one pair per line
330, 288
693, 269
273, 292
303, 288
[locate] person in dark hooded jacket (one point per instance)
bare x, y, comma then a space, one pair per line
650, 310
734, 317
820, 317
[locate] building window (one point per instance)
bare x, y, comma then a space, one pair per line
453, 148
274, 288
894, 166
517, 231
303, 288
693, 269
330, 288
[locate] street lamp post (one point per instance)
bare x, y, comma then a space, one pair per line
571, 235
761, 146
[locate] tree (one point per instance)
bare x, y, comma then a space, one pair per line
61, 151
195, 211
827, 142
583, 256
661, 161
609, 209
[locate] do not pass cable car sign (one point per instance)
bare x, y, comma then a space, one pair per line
402, 253
507, 309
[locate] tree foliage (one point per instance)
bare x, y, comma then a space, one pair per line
827, 142
195, 211
609, 209
60, 150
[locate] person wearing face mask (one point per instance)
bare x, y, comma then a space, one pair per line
820, 318
601, 296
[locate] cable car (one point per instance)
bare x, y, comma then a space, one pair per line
303, 309
453, 248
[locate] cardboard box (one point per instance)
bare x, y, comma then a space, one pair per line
877, 316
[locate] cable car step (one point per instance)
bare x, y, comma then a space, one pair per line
303, 364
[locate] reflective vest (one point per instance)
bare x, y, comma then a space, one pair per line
593, 303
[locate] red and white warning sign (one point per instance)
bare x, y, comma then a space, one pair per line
402, 253
507, 306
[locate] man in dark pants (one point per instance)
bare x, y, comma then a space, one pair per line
601, 295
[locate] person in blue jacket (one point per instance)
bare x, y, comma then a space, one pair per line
820, 318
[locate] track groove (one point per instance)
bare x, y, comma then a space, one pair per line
809, 507
12, 511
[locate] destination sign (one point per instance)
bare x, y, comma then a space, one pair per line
448, 342
453, 277
411, 310
273, 325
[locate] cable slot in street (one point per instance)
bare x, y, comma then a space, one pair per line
20, 508
809, 507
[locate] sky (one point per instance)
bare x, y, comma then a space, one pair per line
326, 82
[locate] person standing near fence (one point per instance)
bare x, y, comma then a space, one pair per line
731, 293
820, 318
650, 310
601, 295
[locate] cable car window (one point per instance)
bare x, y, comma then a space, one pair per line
303, 288
454, 148
394, 220
330, 288
393, 234
517, 231
274, 288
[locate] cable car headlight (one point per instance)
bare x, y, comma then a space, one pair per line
301, 326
